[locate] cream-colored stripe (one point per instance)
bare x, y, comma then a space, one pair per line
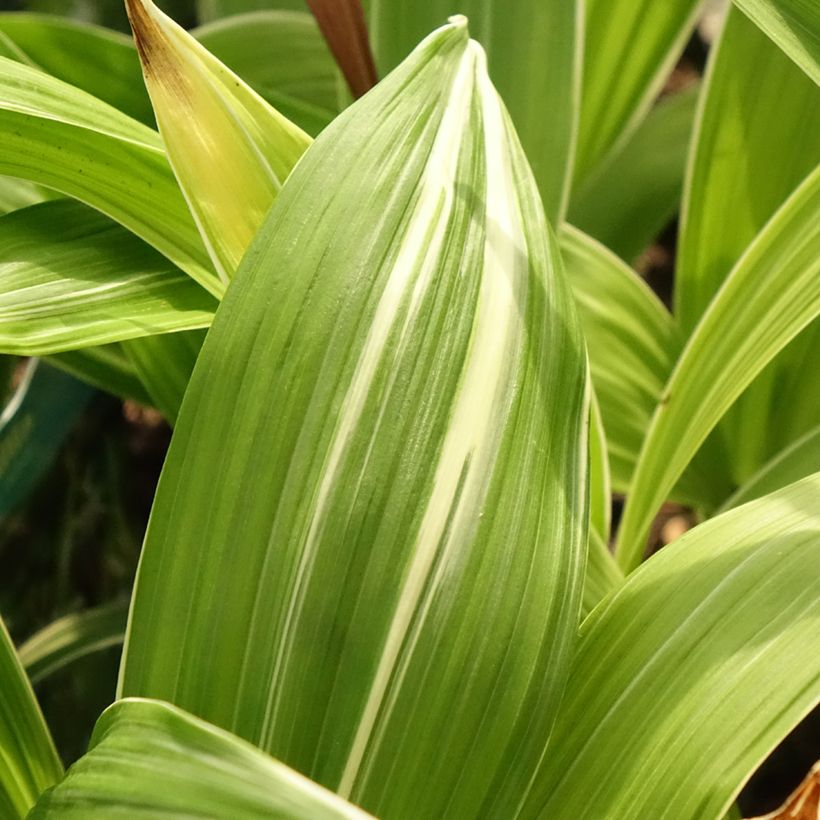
471, 444
417, 260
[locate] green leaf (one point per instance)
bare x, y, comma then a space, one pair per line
214, 9
33, 426
630, 46
632, 195
602, 573
794, 25
600, 491
284, 57
210, 119
71, 637
106, 367
756, 101
100, 61
534, 50
632, 342
799, 459
149, 759
693, 671
29, 761
90, 283
61, 137
164, 364
777, 281
377, 415
18, 193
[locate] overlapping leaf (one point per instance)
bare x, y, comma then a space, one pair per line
59, 136
91, 283
366, 551
777, 281
210, 119
794, 25
148, 759
633, 194
629, 48
29, 761
693, 670
534, 53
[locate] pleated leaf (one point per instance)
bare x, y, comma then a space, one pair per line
794, 25
630, 46
149, 759
230, 150
90, 283
632, 343
366, 550
693, 671
777, 282
28, 761
534, 53
72, 637
61, 137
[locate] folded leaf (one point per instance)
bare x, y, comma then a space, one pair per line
29, 761
91, 283
61, 137
18, 193
534, 50
693, 671
71, 637
794, 25
386, 431
777, 281
630, 46
149, 759
231, 151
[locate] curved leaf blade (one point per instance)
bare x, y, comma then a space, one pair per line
29, 761
210, 119
149, 759
61, 137
778, 283
794, 25
437, 372
93, 283
71, 637
694, 670
534, 52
